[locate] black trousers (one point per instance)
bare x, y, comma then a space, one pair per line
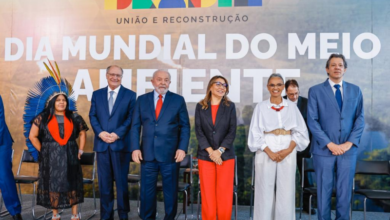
308, 182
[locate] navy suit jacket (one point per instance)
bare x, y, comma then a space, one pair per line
328, 124
162, 137
302, 106
5, 137
118, 122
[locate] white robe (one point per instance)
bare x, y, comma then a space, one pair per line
275, 182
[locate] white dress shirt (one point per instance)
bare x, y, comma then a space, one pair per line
334, 89
156, 94
116, 91
295, 102
265, 119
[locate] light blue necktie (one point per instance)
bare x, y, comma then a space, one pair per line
339, 99
111, 102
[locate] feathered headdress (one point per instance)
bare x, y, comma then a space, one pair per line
40, 95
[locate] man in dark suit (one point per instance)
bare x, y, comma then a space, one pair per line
7, 181
165, 126
110, 115
292, 94
336, 121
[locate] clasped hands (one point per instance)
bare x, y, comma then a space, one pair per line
107, 137
137, 156
339, 149
215, 156
278, 156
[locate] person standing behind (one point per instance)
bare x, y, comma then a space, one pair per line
7, 181
110, 115
165, 126
292, 94
336, 121
215, 127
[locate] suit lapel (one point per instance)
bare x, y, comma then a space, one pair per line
345, 96
329, 92
299, 104
117, 100
151, 104
104, 95
165, 104
209, 117
220, 112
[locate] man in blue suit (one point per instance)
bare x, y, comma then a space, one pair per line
110, 115
165, 136
336, 121
7, 181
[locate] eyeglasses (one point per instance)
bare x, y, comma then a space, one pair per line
277, 85
219, 84
112, 75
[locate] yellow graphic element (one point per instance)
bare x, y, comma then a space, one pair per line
110, 4
207, 3
156, 3
186, 1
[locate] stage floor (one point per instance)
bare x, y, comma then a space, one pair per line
243, 212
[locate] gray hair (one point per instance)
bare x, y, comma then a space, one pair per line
161, 70
277, 75
108, 68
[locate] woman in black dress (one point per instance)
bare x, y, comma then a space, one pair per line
53, 134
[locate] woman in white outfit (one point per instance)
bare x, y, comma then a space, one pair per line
276, 132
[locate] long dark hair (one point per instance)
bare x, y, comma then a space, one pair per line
207, 98
49, 111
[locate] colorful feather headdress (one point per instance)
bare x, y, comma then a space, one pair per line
40, 95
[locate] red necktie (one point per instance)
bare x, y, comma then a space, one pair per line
158, 106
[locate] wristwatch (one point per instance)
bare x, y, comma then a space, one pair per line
221, 150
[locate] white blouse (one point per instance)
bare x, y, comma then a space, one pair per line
265, 118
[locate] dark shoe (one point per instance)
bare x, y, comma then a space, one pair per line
17, 217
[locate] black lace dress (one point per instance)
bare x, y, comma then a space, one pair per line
60, 183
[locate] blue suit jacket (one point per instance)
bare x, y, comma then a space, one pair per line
160, 138
328, 124
5, 137
118, 122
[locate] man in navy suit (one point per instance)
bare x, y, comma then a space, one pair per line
110, 115
336, 121
7, 181
165, 136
